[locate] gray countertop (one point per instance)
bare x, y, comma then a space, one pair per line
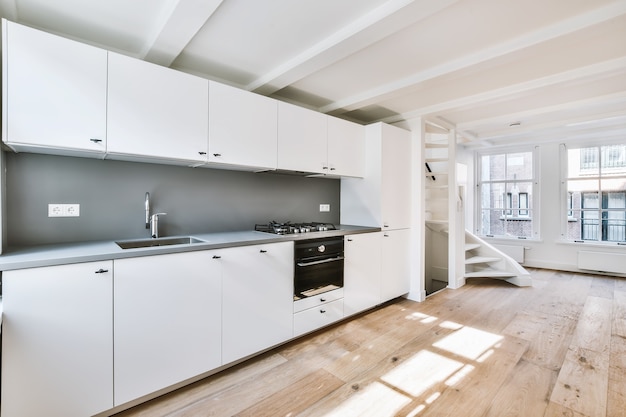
67, 253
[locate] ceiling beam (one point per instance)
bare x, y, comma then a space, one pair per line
379, 23
589, 72
177, 27
562, 28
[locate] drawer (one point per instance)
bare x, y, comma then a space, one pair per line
317, 317
317, 300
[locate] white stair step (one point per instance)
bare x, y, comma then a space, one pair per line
471, 246
489, 274
481, 260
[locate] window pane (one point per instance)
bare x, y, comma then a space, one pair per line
493, 196
517, 227
492, 167
584, 161
614, 225
613, 184
519, 166
492, 223
579, 187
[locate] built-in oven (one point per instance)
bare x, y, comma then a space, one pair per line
318, 266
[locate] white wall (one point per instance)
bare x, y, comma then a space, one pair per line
549, 251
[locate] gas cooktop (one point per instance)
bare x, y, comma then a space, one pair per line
288, 228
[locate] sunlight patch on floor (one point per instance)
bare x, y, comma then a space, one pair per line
375, 400
422, 371
423, 318
468, 342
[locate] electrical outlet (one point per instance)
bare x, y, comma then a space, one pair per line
63, 210
55, 210
324, 208
72, 210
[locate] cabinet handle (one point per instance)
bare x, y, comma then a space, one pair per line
324, 167
332, 169
94, 140
101, 271
322, 300
202, 153
217, 155
263, 251
349, 240
322, 311
386, 235
217, 257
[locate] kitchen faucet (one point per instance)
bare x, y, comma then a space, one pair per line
152, 221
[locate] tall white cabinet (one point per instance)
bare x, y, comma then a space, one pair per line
57, 340
382, 198
54, 93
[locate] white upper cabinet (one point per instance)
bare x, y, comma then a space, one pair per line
302, 139
310, 141
346, 148
156, 112
54, 93
242, 128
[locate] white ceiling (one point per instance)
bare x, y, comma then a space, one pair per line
555, 67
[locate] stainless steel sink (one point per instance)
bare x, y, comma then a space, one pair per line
164, 241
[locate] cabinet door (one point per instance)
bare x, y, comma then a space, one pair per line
54, 91
302, 139
242, 127
257, 298
167, 321
57, 340
155, 111
346, 148
395, 264
362, 272
396, 178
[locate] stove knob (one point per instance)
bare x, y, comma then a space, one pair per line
321, 248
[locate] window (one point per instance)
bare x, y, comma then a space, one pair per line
596, 193
505, 190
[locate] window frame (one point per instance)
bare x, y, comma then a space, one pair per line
615, 164
513, 211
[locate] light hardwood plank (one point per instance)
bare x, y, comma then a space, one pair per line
524, 392
582, 384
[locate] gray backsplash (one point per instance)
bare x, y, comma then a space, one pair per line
111, 197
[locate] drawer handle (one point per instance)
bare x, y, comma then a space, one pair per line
217, 155
216, 257
202, 153
349, 240
322, 311
94, 140
263, 251
322, 300
102, 271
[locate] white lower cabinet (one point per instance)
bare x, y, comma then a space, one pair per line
257, 298
317, 317
395, 278
57, 340
362, 272
167, 311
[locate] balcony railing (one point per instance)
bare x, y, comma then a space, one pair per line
610, 230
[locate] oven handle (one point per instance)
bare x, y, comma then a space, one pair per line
323, 261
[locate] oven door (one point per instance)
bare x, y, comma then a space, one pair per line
315, 276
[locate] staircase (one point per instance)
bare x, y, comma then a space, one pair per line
484, 261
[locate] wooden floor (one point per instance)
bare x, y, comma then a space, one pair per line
487, 349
